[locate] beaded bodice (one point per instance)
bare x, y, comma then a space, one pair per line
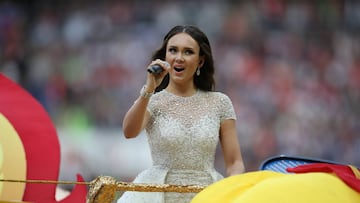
183, 132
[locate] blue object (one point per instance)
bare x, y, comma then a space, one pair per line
282, 162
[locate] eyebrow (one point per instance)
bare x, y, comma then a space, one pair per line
173, 46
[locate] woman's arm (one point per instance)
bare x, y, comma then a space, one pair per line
231, 148
136, 118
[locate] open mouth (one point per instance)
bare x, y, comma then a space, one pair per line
177, 69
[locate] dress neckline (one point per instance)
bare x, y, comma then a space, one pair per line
183, 97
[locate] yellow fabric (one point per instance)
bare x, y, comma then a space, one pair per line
273, 187
12, 161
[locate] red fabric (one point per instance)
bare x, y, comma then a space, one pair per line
344, 172
40, 141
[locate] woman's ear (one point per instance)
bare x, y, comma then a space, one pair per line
201, 61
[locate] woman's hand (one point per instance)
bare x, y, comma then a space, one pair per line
154, 79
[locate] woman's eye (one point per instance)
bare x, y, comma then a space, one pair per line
189, 52
172, 50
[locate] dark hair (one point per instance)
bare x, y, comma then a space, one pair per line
205, 81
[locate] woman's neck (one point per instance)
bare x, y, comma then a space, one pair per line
182, 90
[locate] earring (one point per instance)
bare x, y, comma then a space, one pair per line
198, 71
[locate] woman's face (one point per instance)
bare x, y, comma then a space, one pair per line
182, 52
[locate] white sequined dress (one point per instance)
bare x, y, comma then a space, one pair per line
183, 133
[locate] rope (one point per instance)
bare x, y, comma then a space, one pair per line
45, 182
103, 188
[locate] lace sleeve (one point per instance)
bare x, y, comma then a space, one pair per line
226, 108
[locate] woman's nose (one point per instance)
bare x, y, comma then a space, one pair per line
179, 57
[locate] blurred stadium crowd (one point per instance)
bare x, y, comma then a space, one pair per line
292, 68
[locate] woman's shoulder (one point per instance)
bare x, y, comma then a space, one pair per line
217, 95
157, 94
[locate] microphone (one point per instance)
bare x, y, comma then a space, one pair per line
156, 69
